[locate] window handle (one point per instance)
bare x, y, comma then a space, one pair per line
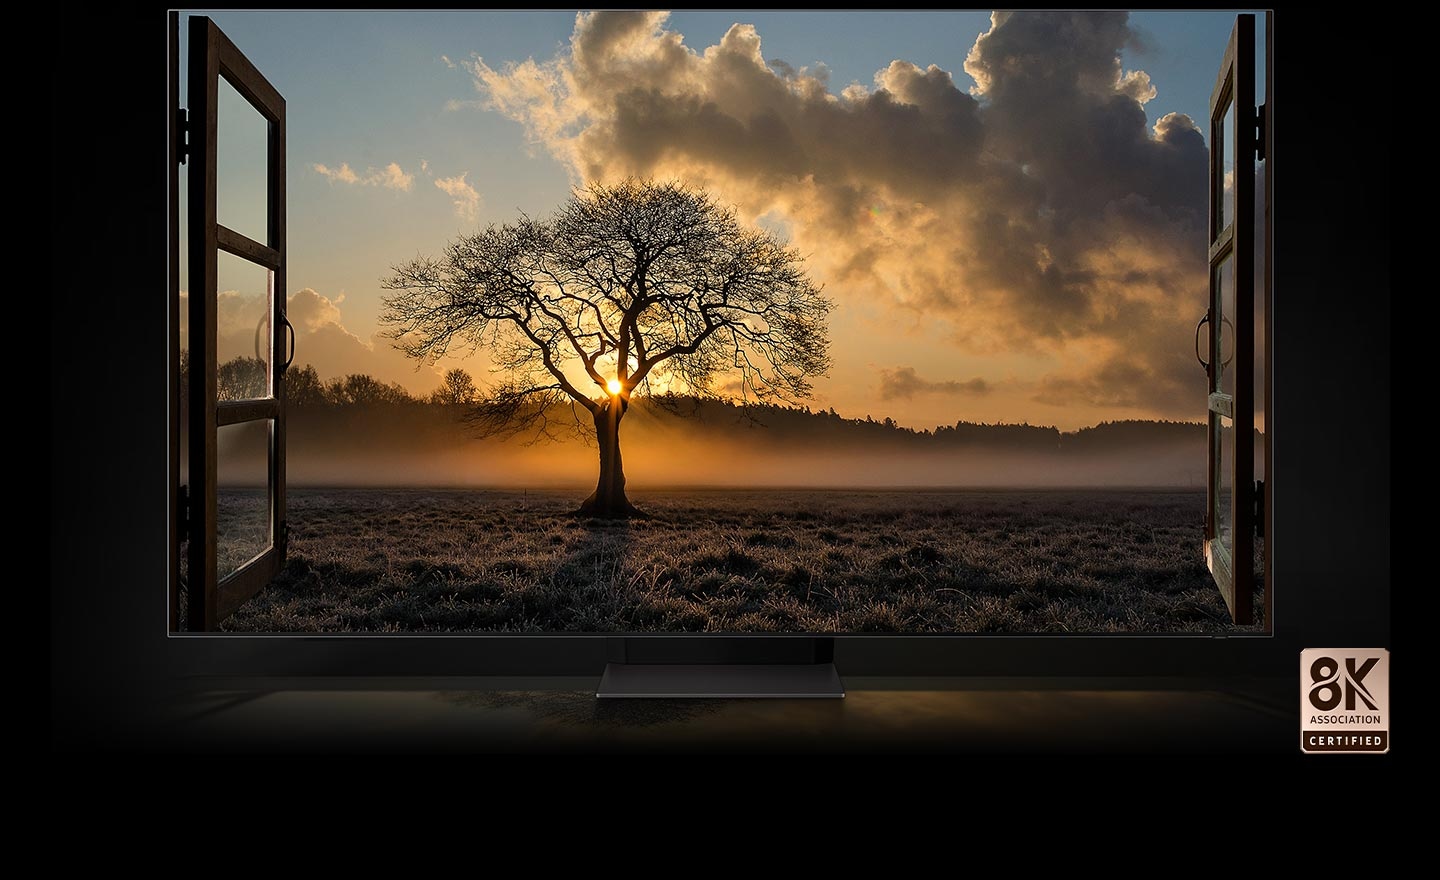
291, 327
1203, 321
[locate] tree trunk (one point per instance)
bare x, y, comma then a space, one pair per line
608, 500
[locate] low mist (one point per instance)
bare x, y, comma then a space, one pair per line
430, 446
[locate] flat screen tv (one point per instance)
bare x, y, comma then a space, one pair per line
909, 325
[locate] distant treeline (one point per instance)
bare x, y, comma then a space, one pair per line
245, 377
802, 424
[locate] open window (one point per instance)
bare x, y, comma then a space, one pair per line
1226, 337
229, 386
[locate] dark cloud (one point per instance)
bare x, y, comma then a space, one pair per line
1039, 214
1142, 42
903, 383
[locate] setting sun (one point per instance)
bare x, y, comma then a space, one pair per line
614, 386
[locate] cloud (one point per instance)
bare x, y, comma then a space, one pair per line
903, 383
392, 176
1036, 214
310, 312
463, 196
321, 337
344, 174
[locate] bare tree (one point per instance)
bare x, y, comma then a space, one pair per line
456, 388
358, 389
242, 378
303, 387
638, 287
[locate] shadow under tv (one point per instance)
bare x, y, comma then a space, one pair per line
719, 668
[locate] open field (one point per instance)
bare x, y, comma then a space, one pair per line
1019, 561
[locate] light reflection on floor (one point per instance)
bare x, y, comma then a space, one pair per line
981, 719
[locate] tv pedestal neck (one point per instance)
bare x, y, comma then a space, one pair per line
720, 667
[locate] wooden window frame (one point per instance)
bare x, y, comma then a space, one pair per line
213, 56
1233, 567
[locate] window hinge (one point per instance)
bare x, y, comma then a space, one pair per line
182, 514
1260, 508
182, 133
1260, 133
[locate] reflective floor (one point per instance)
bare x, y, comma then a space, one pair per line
935, 715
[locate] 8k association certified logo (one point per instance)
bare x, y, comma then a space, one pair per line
1344, 700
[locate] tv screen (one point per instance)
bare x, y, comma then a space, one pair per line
707, 322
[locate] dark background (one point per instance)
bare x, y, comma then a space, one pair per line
109, 652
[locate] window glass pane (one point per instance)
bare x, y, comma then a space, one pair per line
242, 511
1257, 322
183, 328
243, 339
1223, 346
1227, 166
1259, 336
1224, 497
241, 156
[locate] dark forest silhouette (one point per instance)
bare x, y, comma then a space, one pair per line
460, 395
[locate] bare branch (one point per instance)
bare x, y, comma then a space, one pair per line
656, 276
514, 408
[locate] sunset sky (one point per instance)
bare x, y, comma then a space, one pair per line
1009, 212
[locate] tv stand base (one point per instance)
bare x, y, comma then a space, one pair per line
717, 681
